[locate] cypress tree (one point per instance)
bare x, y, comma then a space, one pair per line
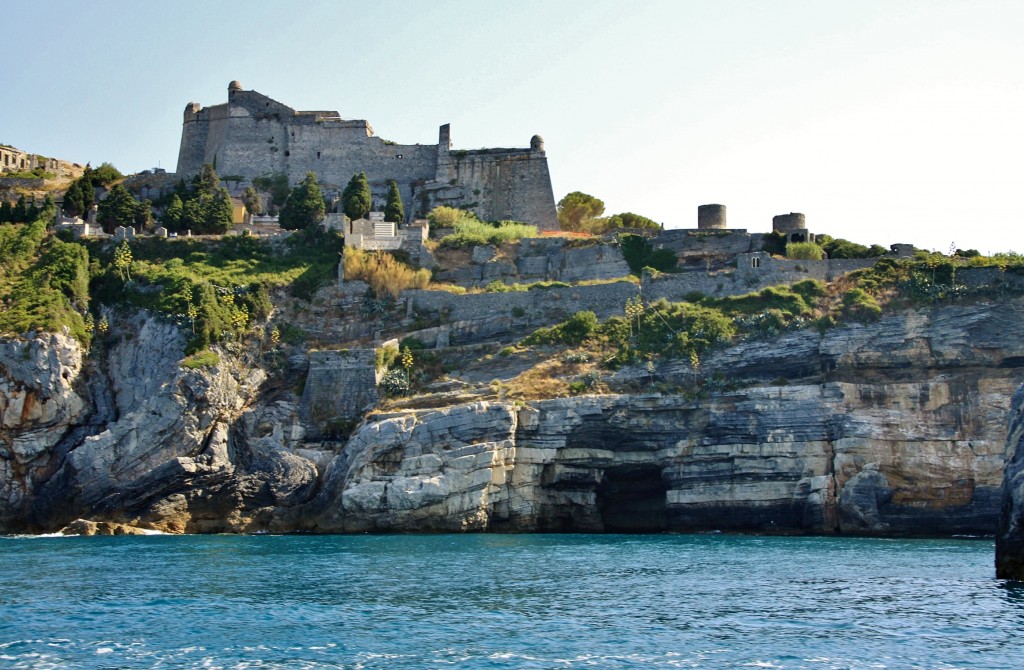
356, 199
172, 216
393, 210
117, 210
304, 207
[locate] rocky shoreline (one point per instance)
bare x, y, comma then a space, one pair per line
895, 428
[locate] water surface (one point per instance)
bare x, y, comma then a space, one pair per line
505, 601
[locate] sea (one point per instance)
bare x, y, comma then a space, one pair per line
505, 601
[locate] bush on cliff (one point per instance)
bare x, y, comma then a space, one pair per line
572, 332
43, 282
804, 251
386, 275
640, 254
469, 232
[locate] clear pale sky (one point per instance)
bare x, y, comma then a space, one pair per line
882, 121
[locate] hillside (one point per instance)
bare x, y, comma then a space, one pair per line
233, 384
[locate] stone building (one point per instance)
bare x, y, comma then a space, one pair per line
253, 135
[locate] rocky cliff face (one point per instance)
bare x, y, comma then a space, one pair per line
1010, 536
892, 428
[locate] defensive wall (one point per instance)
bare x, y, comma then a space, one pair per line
339, 384
253, 135
538, 259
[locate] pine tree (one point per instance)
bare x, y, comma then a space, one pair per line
117, 210
356, 199
217, 213
172, 216
393, 210
251, 200
304, 207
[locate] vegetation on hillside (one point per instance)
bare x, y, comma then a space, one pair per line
204, 208
304, 207
356, 200
470, 231
44, 282
386, 275
582, 212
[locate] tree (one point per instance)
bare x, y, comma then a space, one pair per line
631, 220
304, 207
144, 214
6, 212
576, 209
393, 210
356, 199
217, 213
251, 200
118, 209
20, 212
207, 210
103, 175
172, 216
80, 196
206, 180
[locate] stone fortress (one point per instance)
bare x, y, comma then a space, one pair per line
252, 135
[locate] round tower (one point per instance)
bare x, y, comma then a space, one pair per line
711, 217
234, 86
788, 223
536, 143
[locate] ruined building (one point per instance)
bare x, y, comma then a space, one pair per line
252, 135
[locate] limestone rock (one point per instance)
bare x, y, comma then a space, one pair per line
1010, 535
86, 527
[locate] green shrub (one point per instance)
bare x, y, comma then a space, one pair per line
639, 253
574, 331
804, 251
471, 232
859, 305
394, 384
201, 359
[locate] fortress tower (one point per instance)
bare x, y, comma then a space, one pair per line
252, 135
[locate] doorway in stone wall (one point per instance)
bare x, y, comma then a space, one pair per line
632, 499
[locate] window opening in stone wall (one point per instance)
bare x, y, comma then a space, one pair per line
755, 262
287, 153
318, 154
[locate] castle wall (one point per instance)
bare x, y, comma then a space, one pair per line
339, 385
253, 136
500, 185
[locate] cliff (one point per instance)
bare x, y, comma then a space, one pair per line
896, 427
1010, 535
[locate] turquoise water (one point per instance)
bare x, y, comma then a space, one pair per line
505, 601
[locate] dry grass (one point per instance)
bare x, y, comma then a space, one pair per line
385, 274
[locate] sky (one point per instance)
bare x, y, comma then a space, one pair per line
882, 121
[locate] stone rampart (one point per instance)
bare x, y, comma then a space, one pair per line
539, 259
551, 304
339, 385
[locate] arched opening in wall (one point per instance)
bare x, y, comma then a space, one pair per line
755, 262
632, 499
797, 237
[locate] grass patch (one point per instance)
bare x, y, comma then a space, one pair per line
201, 359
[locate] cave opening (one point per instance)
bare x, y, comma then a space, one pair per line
632, 499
